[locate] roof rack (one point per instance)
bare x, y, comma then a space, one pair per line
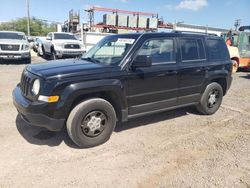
194, 32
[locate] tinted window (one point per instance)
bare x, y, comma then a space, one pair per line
189, 49
201, 49
161, 50
14, 36
217, 49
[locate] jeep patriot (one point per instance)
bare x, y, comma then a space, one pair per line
122, 77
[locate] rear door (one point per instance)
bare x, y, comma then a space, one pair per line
192, 70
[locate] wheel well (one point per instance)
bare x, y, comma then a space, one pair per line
111, 97
236, 59
222, 82
51, 49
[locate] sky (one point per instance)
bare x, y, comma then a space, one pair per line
214, 13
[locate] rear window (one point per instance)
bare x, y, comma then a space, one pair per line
192, 49
217, 50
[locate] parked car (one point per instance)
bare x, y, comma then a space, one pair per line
37, 46
60, 45
14, 47
123, 77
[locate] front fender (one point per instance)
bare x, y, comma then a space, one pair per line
76, 90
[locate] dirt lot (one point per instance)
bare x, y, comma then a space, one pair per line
173, 149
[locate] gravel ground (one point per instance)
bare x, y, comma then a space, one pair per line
179, 148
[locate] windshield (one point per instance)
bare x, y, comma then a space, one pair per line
111, 49
14, 36
64, 36
244, 44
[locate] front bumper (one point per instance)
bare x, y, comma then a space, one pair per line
32, 112
69, 53
14, 55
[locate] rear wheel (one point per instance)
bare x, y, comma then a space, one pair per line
91, 122
211, 99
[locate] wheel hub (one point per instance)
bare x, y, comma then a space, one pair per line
212, 99
93, 123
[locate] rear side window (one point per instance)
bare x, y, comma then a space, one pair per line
161, 50
192, 49
217, 50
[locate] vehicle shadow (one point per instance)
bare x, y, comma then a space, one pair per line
154, 118
41, 136
246, 76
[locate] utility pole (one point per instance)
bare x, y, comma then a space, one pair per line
28, 17
237, 24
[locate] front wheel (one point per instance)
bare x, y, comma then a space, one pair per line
91, 122
53, 55
211, 99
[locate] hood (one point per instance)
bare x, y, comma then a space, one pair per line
67, 41
70, 67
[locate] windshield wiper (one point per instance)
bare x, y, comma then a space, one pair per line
91, 59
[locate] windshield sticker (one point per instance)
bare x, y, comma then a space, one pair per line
125, 41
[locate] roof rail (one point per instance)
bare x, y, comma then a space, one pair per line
194, 32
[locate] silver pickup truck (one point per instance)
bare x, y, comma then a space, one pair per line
14, 47
60, 45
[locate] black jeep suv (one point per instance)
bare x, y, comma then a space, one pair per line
123, 77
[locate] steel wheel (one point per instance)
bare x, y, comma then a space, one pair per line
94, 123
213, 97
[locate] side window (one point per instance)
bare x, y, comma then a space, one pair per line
216, 49
192, 49
201, 49
49, 35
189, 49
161, 50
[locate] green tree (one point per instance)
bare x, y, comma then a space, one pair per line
37, 27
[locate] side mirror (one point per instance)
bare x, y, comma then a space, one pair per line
48, 38
142, 61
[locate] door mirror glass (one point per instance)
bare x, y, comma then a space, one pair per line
48, 38
142, 61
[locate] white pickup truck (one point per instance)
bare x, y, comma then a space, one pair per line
14, 47
60, 45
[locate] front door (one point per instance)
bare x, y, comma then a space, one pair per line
155, 88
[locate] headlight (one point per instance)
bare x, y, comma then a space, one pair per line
58, 44
36, 87
26, 47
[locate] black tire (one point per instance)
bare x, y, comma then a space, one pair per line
28, 61
80, 118
44, 53
211, 99
53, 55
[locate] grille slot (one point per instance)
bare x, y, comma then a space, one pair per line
9, 47
25, 84
72, 46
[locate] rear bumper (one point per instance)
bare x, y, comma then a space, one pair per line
30, 112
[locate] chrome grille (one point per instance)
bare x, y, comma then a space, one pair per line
72, 46
9, 47
25, 84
